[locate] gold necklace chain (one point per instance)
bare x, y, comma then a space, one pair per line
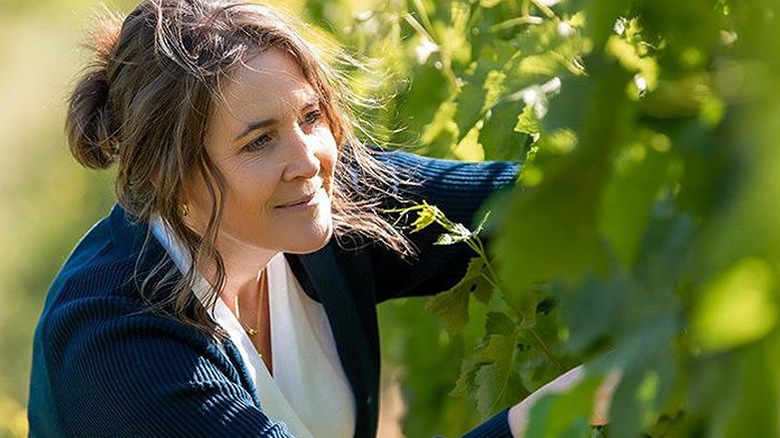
253, 331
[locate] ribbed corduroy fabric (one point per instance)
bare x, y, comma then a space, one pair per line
105, 366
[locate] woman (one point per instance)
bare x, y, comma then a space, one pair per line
213, 300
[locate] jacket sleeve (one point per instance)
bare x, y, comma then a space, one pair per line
116, 372
459, 189
496, 426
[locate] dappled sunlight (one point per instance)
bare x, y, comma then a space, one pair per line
740, 306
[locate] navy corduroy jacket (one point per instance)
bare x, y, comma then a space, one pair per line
104, 366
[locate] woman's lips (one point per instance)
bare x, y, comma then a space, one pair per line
303, 203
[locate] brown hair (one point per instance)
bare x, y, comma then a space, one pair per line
145, 101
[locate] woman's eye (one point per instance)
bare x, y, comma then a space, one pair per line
258, 143
313, 117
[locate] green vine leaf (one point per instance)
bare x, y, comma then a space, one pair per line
492, 379
483, 86
468, 369
498, 323
527, 122
452, 306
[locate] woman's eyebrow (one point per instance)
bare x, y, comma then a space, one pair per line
254, 126
309, 103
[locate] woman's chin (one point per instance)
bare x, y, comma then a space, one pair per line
313, 243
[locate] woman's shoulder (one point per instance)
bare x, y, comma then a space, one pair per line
101, 280
95, 304
99, 348
102, 266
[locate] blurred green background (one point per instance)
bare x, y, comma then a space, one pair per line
47, 200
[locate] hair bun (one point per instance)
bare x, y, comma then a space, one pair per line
89, 125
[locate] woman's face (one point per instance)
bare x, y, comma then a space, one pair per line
270, 139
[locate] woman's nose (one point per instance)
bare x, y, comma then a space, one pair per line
302, 161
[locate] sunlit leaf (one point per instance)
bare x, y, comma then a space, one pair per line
527, 122
498, 137
482, 87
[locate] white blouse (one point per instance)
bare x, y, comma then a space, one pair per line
309, 390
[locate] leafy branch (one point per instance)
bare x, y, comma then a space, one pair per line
452, 305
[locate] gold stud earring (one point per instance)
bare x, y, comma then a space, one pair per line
185, 210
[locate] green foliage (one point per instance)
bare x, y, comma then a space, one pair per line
642, 235
452, 305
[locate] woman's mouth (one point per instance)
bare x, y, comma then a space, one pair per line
304, 202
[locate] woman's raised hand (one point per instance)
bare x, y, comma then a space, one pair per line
519, 413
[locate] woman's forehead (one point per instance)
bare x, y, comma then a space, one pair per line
268, 85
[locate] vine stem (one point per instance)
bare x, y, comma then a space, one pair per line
517, 21
475, 243
544, 9
550, 355
545, 348
525, 8
424, 17
494, 282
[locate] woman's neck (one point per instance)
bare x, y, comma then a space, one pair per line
243, 267
245, 292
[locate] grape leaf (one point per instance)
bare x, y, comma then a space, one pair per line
492, 378
452, 306
498, 138
527, 123
592, 310
482, 87
498, 323
468, 369
554, 229
642, 353
639, 174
